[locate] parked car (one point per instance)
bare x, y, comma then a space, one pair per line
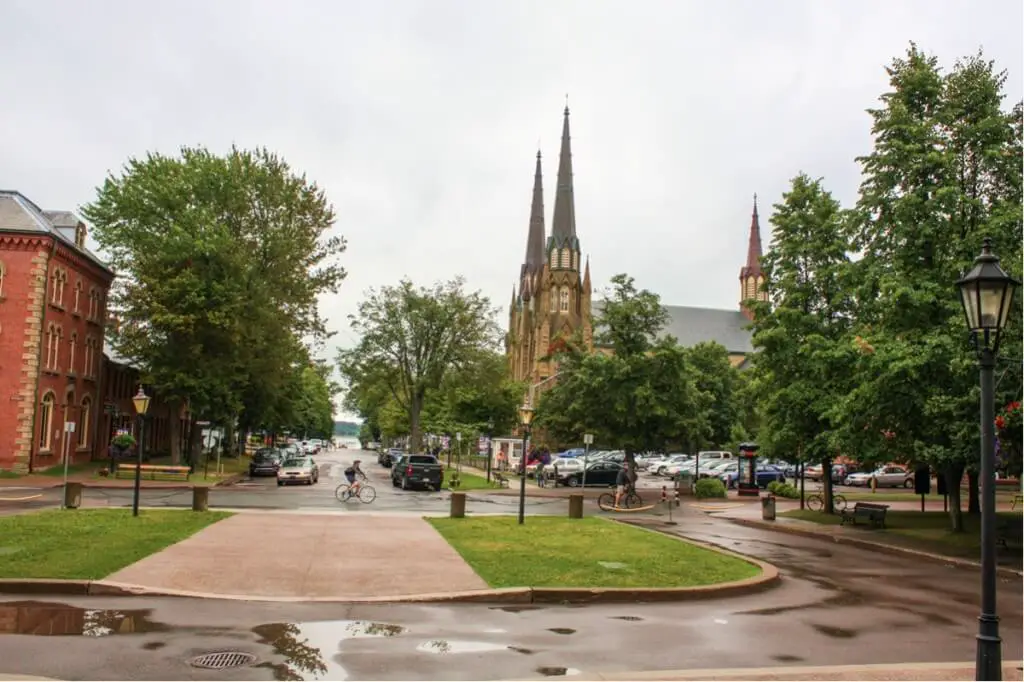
298, 470
387, 458
417, 470
603, 473
765, 473
563, 466
885, 477
265, 462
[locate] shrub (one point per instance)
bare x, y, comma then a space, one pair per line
783, 489
709, 487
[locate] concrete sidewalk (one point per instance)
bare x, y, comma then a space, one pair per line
884, 671
312, 556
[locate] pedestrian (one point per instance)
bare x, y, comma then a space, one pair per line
540, 472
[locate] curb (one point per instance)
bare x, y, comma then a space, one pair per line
100, 485
890, 671
512, 595
879, 547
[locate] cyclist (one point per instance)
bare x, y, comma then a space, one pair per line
350, 474
623, 482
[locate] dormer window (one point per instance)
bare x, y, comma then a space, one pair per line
80, 236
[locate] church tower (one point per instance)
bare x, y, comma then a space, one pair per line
751, 277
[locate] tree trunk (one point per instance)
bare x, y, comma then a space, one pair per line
826, 481
174, 430
195, 441
954, 473
229, 446
973, 499
415, 437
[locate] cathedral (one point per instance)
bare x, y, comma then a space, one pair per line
553, 296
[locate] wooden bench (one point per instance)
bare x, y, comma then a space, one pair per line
152, 471
1009, 530
870, 511
499, 479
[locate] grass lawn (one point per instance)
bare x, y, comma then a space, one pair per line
890, 495
90, 544
927, 531
90, 471
552, 551
468, 481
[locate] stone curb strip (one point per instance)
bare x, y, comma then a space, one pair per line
873, 671
100, 485
873, 546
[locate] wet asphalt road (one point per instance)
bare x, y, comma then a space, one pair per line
836, 605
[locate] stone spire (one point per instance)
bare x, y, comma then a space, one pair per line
586, 276
563, 224
753, 265
534, 260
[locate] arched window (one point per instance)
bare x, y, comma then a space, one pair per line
554, 258
63, 284
72, 345
564, 258
554, 299
87, 365
53, 286
57, 341
46, 420
3, 273
51, 342
84, 421
92, 303
563, 300
78, 296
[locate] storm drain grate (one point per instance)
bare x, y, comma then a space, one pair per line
222, 659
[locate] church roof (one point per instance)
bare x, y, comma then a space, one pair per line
691, 325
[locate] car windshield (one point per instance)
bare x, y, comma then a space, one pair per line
295, 463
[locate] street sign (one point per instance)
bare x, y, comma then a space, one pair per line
203, 423
69, 427
588, 439
458, 436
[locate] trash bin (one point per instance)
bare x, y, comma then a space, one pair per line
768, 507
73, 495
684, 483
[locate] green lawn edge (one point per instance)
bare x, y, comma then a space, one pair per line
91, 544
552, 551
468, 481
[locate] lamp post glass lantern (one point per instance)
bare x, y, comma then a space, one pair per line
141, 402
525, 417
986, 293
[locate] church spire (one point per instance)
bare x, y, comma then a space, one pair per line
586, 276
753, 265
534, 260
563, 224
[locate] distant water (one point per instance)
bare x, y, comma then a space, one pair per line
348, 442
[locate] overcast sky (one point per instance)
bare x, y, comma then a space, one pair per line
421, 119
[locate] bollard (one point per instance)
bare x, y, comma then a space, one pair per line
200, 499
576, 506
72, 495
677, 497
458, 505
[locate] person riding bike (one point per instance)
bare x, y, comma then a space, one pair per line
350, 474
623, 482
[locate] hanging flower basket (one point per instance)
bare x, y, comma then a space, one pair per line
124, 441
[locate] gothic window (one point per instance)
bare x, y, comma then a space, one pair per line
58, 339
72, 344
46, 420
554, 299
554, 258
63, 285
87, 365
51, 346
78, 295
564, 258
563, 300
83, 422
53, 286
3, 273
93, 303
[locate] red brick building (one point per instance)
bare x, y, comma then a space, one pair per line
53, 294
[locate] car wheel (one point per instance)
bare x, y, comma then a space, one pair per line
574, 483
394, 483
908, 483
280, 483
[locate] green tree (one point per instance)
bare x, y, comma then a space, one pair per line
412, 338
802, 331
638, 398
479, 397
943, 174
716, 380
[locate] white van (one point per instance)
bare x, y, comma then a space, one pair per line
709, 457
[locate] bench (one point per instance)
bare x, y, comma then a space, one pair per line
1017, 499
1009, 530
499, 479
870, 511
152, 471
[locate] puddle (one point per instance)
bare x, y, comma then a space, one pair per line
153, 646
46, 619
562, 631
494, 631
311, 650
521, 650
788, 658
515, 609
556, 671
832, 631
631, 619
455, 646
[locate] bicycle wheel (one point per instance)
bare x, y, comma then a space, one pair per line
838, 502
633, 501
815, 502
341, 492
367, 494
606, 501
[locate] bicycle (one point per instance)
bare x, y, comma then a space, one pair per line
630, 498
366, 492
816, 502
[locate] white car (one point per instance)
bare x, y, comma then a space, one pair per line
885, 477
563, 466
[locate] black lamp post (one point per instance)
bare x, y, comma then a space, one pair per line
141, 401
987, 293
525, 417
490, 447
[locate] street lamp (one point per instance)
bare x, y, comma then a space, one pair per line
987, 293
490, 447
525, 417
141, 402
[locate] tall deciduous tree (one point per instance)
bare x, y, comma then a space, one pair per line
412, 338
944, 173
801, 332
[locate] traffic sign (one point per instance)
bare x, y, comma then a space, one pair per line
588, 439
